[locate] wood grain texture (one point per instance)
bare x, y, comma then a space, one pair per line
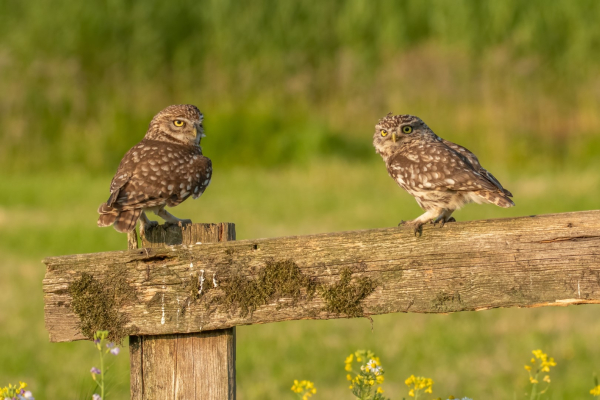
194, 366
548, 260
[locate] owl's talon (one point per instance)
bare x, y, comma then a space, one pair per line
180, 223
418, 230
417, 227
444, 222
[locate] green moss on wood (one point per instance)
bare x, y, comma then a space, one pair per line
345, 296
97, 303
275, 281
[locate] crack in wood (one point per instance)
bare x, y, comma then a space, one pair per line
570, 238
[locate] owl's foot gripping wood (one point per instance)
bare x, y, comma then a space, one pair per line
432, 216
171, 219
444, 218
416, 226
146, 224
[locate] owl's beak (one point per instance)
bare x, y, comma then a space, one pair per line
394, 137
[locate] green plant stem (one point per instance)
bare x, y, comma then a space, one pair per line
534, 390
101, 372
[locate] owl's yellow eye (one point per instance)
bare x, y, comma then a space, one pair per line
178, 123
407, 129
383, 132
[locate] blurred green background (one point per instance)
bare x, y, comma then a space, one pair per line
291, 92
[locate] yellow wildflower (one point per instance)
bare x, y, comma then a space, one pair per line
349, 377
595, 391
380, 379
533, 380
547, 378
419, 383
528, 368
306, 388
380, 390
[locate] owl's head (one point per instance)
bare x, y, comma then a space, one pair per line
392, 131
181, 124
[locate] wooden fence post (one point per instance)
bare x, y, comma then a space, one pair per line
183, 366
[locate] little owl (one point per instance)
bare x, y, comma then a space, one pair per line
440, 175
164, 169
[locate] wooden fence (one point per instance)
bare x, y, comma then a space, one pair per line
180, 297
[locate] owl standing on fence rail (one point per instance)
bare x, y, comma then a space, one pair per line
164, 169
440, 175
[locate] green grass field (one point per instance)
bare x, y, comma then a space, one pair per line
291, 91
475, 354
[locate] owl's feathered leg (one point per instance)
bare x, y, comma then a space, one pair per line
170, 218
417, 223
145, 223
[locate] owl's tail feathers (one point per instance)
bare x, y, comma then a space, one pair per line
108, 215
123, 221
127, 219
500, 199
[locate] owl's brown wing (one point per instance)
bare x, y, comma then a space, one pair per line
437, 167
472, 158
118, 181
153, 174
203, 175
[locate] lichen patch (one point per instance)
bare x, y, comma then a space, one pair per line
277, 280
345, 296
97, 304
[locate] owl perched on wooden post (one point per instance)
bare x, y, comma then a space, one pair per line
164, 169
440, 175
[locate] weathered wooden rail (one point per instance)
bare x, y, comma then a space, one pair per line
547, 260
